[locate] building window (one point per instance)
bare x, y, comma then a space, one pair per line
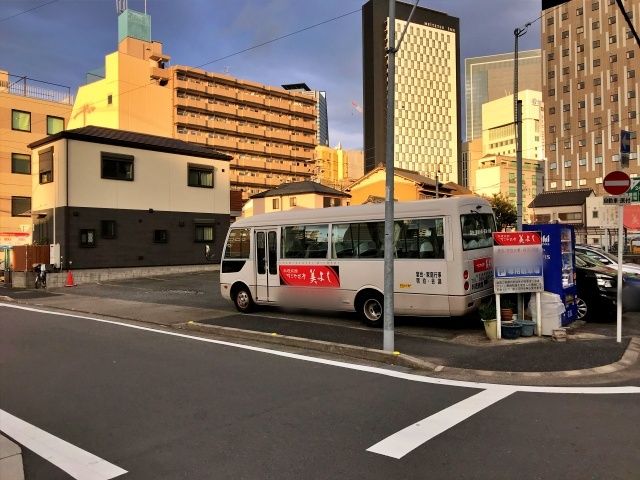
566, 126
613, 58
582, 142
565, 15
615, 137
631, 94
550, 39
612, 20
597, 100
632, 114
630, 54
552, 92
108, 229
580, 67
552, 129
568, 183
567, 106
54, 125
551, 74
331, 202
553, 166
87, 237
598, 160
580, 85
116, 166
204, 233
596, 62
615, 158
21, 163
552, 147
582, 162
200, 176
579, 29
598, 180
594, 214
566, 88
614, 97
597, 81
160, 236
565, 34
579, 48
613, 77
550, 21
579, 11
629, 34
612, 39
631, 73
567, 163
275, 204
614, 118
597, 120
565, 70
553, 185
581, 123
595, 25
552, 110
20, 206
293, 201
45, 161
550, 56
595, 6
595, 44
567, 144
109, 99
597, 140
581, 104
21, 120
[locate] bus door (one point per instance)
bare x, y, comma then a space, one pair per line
267, 277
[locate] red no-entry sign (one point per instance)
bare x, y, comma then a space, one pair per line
616, 183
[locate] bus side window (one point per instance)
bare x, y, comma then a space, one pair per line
341, 241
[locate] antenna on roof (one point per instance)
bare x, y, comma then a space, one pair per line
121, 6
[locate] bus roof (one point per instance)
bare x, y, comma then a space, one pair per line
372, 211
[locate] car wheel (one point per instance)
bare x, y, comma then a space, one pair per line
583, 309
242, 300
371, 309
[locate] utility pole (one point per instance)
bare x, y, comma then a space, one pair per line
392, 49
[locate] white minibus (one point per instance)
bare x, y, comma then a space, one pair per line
333, 258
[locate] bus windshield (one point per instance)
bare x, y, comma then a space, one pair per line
476, 230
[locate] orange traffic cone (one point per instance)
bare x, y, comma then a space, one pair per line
70, 282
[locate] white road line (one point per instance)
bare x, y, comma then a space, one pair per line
362, 368
78, 463
410, 438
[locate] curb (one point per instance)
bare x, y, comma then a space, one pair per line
395, 358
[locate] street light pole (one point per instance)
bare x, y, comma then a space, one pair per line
392, 49
517, 123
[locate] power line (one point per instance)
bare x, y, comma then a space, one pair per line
27, 11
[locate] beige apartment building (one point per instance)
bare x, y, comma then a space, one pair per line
590, 72
270, 132
29, 110
496, 174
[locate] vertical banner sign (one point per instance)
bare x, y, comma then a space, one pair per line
517, 262
625, 148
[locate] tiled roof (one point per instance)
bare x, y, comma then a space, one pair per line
561, 198
125, 138
297, 188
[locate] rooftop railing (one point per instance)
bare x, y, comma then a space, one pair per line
29, 87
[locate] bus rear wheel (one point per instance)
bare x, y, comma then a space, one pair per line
242, 299
371, 309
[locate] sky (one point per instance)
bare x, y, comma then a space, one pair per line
59, 41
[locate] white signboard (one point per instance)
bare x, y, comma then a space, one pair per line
517, 262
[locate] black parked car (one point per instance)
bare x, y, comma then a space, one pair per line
597, 289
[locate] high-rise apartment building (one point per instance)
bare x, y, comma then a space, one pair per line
29, 110
270, 132
322, 117
490, 77
427, 90
590, 72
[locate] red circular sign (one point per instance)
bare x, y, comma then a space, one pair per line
616, 183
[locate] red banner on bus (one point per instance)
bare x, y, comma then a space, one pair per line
310, 275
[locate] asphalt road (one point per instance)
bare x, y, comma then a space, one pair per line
164, 406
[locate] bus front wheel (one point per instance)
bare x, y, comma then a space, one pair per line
242, 299
370, 307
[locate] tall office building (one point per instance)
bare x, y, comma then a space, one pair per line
490, 77
270, 132
589, 89
427, 90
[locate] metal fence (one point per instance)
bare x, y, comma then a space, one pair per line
29, 87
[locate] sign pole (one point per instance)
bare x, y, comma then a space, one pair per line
498, 318
538, 314
619, 292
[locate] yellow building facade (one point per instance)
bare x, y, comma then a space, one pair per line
332, 166
29, 110
498, 134
497, 174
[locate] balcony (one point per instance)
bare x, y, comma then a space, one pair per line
160, 74
193, 120
278, 135
277, 120
223, 109
251, 130
257, 147
223, 126
303, 109
301, 154
305, 124
220, 92
279, 150
29, 87
181, 84
247, 113
222, 143
244, 97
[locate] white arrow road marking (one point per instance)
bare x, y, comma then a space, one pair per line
410, 438
78, 463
